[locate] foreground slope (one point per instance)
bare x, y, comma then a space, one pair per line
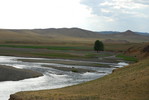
127, 83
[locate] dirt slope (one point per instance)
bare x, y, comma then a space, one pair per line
141, 51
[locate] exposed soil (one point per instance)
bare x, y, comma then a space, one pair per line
8, 73
140, 51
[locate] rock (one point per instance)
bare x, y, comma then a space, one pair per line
14, 97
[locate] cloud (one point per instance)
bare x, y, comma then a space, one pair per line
123, 4
88, 14
93, 4
120, 14
99, 7
131, 8
144, 2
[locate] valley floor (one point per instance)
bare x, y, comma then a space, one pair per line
127, 83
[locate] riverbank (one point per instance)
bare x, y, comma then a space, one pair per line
127, 83
55, 75
8, 73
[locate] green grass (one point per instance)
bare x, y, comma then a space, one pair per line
74, 52
127, 58
85, 47
57, 55
49, 47
77, 47
99, 54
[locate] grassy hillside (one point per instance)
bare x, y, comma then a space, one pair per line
47, 36
127, 83
36, 37
63, 36
129, 36
140, 51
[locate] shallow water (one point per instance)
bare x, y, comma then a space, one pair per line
52, 78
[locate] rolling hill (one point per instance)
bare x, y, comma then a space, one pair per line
127, 36
139, 51
64, 35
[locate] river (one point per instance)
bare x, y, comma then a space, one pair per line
52, 78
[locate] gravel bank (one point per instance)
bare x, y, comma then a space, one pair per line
8, 73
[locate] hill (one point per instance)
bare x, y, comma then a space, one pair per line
63, 35
115, 32
47, 36
143, 33
72, 32
115, 41
139, 51
128, 36
108, 32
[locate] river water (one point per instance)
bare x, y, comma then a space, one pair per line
53, 78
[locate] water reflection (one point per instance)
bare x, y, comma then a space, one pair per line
53, 78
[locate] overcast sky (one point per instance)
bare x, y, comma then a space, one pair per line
95, 15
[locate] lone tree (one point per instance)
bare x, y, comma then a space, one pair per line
98, 46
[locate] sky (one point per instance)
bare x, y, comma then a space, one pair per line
94, 15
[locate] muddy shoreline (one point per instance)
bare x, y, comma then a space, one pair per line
8, 73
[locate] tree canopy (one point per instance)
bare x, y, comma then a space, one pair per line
98, 46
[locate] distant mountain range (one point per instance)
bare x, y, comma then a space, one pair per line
114, 32
68, 35
143, 33
108, 32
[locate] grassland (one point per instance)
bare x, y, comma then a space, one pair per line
127, 58
48, 47
59, 51
127, 83
75, 46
